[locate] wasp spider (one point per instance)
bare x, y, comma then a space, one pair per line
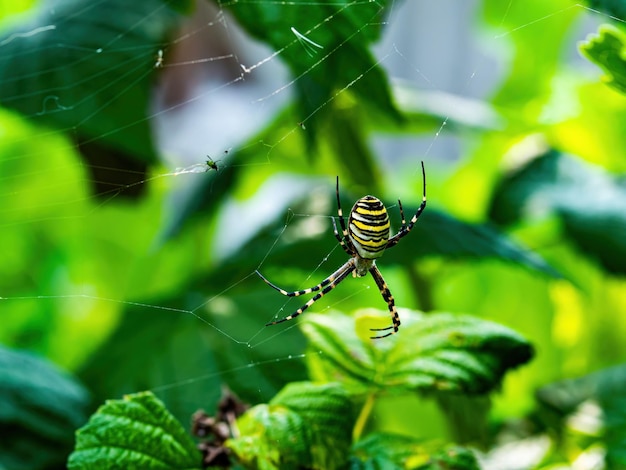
365, 238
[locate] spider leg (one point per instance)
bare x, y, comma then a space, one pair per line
405, 229
342, 222
384, 290
329, 284
347, 247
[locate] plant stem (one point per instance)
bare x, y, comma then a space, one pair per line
364, 415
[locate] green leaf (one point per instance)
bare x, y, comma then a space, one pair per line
452, 458
590, 202
305, 425
344, 30
89, 68
615, 8
606, 389
441, 234
392, 451
136, 432
430, 353
607, 49
40, 407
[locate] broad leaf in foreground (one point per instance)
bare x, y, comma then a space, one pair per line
430, 353
304, 426
136, 432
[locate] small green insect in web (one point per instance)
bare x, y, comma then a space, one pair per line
159, 59
212, 164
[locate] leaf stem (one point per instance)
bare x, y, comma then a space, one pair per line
364, 415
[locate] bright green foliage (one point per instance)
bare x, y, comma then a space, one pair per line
305, 425
608, 50
431, 353
40, 405
134, 433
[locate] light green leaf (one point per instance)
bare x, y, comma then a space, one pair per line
40, 407
607, 49
435, 352
305, 425
136, 432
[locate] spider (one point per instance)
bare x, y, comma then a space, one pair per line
365, 239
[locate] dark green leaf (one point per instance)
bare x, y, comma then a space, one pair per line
344, 30
89, 68
436, 352
136, 432
40, 409
590, 202
608, 50
390, 451
607, 389
305, 425
441, 234
614, 8
452, 458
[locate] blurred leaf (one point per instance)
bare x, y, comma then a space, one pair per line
345, 30
607, 389
607, 49
614, 8
99, 48
590, 202
304, 426
431, 353
437, 233
396, 452
40, 409
452, 458
136, 432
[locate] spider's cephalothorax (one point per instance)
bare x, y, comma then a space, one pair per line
365, 238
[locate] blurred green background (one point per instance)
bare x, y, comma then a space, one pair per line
130, 275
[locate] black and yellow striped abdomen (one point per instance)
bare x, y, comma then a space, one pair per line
368, 227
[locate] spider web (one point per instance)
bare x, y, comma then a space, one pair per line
215, 94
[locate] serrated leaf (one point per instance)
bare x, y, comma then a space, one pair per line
40, 409
435, 352
607, 49
305, 425
136, 432
590, 202
76, 72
